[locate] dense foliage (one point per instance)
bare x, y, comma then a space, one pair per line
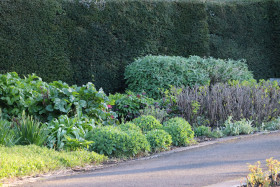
47, 101
238, 127
128, 105
159, 139
147, 123
73, 40
153, 73
110, 140
180, 130
248, 99
19, 161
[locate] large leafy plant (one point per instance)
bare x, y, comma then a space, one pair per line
49, 101
69, 133
128, 105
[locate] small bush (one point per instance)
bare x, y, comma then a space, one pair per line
159, 139
180, 130
69, 133
207, 132
147, 123
272, 125
129, 126
238, 127
202, 131
112, 141
159, 114
127, 105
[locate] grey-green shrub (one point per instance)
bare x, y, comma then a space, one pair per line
221, 70
180, 130
272, 125
238, 127
152, 73
159, 139
202, 131
112, 141
159, 114
147, 123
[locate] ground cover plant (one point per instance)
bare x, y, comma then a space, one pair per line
29, 160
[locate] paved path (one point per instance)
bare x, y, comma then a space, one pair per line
202, 166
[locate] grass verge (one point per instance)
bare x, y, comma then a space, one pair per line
19, 161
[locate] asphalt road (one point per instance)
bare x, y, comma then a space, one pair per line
202, 166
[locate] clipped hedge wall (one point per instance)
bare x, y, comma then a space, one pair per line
73, 40
246, 29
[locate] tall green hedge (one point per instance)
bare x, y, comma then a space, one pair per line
243, 29
77, 41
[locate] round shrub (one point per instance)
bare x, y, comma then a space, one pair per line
129, 126
180, 130
112, 141
137, 143
153, 72
202, 131
147, 123
150, 73
159, 139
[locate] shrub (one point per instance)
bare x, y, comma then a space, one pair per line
272, 125
129, 126
147, 123
180, 130
47, 101
151, 110
112, 141
238, 127
248, 99
69, 133
137, 143
220, 70
151, 73
127, 105
202, 131
159, 139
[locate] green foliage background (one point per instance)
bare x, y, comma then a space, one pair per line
72, 40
